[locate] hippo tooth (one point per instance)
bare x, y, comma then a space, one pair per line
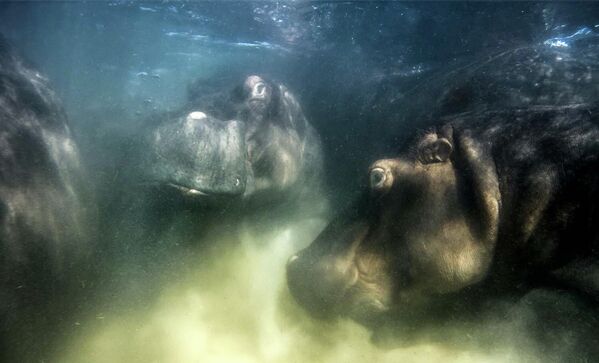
196, 115
189, 191
195, 192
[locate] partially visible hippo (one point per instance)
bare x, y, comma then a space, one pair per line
45, 232
284, 150
493, 201
267, 152
227, 158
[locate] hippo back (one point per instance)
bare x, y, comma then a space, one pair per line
44, 226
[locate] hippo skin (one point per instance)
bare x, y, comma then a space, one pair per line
265, 152
198, 155
235, 155
497, 200
45, 228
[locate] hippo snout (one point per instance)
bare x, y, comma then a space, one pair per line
318, 285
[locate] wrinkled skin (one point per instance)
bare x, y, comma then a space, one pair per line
44, 225
198, 156
413, 238
492, 202
267, 152
284, 151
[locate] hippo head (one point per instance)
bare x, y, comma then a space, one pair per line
425, 227
197, 156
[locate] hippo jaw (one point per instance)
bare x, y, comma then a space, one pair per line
352, 294
332, 278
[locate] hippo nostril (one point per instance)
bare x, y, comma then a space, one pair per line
316, 285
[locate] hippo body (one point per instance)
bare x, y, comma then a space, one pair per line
497, 200
45, 226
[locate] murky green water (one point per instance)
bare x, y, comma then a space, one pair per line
235, 307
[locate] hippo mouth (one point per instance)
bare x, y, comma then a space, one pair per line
364, 299
349, 291
202, 193
358, 301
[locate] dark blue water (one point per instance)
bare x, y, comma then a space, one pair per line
116, 63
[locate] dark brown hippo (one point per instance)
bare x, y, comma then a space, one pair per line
472, 203
492, 202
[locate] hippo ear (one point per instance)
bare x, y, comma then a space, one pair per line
434, 150
477, 168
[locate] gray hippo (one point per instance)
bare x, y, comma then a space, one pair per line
266, 153
45, 229
231, 157
498, 200
284, 150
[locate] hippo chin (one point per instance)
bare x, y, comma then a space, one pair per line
492, 202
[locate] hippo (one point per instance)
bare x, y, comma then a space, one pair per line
45, 229
496, 199
284, 151
230, 158
253, 145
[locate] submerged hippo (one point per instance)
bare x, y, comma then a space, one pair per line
225, 157
45, 232
284, 150
198, 155
493, 201
266, 151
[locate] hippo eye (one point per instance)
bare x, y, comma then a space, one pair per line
237, 182
377, 178
260, 88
